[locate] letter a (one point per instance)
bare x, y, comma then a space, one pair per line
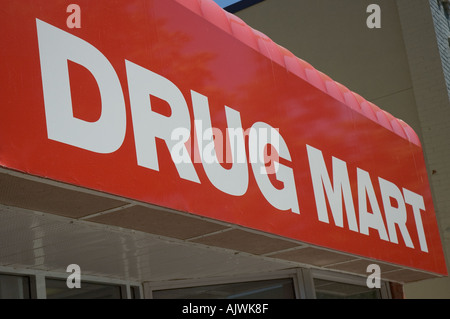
373, 280
74, 20
74, 279
374, 19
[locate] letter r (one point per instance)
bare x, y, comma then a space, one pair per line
149, 125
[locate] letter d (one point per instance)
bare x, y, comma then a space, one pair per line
56, 47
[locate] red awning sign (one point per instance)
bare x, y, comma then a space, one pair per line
150, 100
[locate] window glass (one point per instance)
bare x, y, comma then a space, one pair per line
135, 293
57, 289
14, 287
267, 289
326, 289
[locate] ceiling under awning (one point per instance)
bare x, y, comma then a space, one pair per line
47, 225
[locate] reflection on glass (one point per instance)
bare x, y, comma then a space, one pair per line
326, 289
267, 289
14, 287
57, 289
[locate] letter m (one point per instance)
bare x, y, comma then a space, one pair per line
334, 192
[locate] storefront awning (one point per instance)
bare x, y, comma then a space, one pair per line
182, 107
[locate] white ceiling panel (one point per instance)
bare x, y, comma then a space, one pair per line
30, 239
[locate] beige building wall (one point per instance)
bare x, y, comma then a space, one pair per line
397, 67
